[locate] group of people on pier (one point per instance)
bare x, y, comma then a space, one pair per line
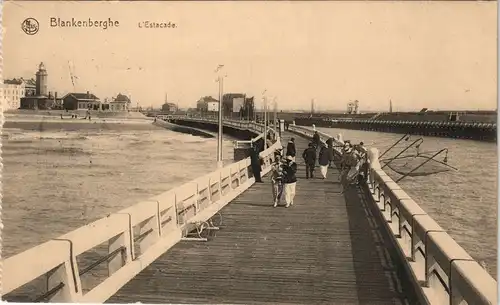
352, 162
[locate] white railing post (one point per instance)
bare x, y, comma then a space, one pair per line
64, 280
151, 230
123, 241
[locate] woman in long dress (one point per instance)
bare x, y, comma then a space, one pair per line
323, 160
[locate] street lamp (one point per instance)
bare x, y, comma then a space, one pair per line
220, 80
265, 117
275, 110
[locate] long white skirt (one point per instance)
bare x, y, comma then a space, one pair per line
323, 170
289, 192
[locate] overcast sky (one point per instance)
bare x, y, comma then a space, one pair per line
419, 54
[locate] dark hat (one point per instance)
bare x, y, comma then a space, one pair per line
311, 144
292, 139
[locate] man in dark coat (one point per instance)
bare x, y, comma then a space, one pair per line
290, 148
309, 156
255, 164
316, 139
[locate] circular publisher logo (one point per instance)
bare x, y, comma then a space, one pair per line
30, 26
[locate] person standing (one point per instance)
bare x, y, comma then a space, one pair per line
289, 180
309, 156
323, 160
277, 181
255, 164
290, 149
331, 154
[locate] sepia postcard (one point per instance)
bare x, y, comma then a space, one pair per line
249, 152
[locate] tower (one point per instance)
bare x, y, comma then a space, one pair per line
356, 107
390, 106
41, 80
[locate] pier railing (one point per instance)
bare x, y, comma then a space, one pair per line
243, 125
441, 270
133, 237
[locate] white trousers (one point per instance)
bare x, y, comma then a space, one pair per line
290, 192
324, 170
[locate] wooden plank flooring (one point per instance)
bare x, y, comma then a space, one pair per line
326, 249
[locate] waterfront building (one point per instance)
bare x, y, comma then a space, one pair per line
237, 105
81, 101
120, 103
207, 104
13, 90
169, 107
39, 100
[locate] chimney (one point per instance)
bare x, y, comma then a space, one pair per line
88, 94
55, 95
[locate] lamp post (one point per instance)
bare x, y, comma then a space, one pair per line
275, 116
265, 117
220, 80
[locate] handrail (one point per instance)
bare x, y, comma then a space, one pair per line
441, 270
136, 236
232, 123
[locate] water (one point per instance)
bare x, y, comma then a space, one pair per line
56, 181
463, 202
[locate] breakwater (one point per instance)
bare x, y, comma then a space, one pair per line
459, 130
184, 129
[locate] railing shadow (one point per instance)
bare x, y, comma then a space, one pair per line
378, 270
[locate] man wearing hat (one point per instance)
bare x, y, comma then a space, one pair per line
290, 149
309, 156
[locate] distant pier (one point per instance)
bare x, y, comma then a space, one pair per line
449, 129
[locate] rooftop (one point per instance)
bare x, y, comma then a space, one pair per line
121, 98
83, 96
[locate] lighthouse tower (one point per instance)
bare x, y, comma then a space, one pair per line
41, 81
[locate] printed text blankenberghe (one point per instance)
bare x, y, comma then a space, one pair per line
89, 23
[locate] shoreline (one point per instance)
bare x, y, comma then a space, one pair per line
55, 123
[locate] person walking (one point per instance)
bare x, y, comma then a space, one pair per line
277, 181
331, 154
309, 156
289, 180
323, 160
316, 139
290, 149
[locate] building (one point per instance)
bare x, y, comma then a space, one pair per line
353, 107
213, 106
40, 99
81, 101
169, 108
120, 103
41, 81
13, 90
238, 105
207, 104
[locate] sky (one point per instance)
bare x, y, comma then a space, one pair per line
439, 55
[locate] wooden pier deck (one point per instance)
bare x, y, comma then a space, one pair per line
326, 249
